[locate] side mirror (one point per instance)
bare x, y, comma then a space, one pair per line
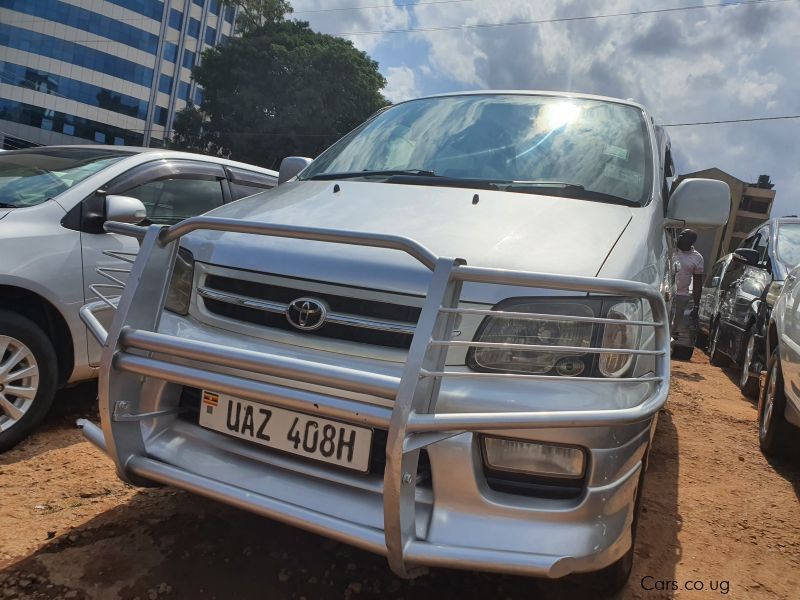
291, 166
124, 209
700, 203
748, 256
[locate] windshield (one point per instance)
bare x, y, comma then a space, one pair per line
601, 146
29, 177
789, 244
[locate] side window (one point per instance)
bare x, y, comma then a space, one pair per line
246, 183
171, 200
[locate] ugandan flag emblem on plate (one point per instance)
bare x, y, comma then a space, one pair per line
210, 401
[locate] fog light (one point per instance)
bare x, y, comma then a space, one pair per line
503, 454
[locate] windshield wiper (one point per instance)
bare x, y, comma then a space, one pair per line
564, 190
6, 205
386, 173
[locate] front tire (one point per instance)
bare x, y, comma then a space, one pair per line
775, 434
747, 383
28, 377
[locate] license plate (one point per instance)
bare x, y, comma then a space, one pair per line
294, 432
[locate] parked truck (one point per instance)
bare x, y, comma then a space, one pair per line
445, 340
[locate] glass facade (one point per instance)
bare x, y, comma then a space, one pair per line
76, 54
85, 20
165, 84
175, 19
114, 55
72, 89
170, 52
194, 28
36, 116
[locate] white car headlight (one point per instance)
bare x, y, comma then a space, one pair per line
559, 332
180, 286
620, 336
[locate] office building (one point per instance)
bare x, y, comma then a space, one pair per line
101, 71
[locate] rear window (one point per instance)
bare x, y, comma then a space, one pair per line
30, 177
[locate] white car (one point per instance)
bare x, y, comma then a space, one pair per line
444, 341
53, 203
779, 402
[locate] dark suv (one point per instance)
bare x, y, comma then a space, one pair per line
749, 284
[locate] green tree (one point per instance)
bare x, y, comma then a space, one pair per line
190, 134
254, 14
280, 89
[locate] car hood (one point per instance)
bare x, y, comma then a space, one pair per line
486, 228
4, 212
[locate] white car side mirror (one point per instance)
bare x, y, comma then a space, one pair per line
124, 209
700, 203
291, 166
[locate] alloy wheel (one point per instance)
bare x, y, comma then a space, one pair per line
747, 361
19, 381
769, 400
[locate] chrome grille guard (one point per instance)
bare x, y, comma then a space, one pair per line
412, 422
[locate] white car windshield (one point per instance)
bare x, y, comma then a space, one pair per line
29, 177
578, 144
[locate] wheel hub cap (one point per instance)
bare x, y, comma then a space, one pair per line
19, 380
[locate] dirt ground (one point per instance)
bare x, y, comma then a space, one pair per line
717, 517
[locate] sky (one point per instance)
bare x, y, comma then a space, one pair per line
716, 61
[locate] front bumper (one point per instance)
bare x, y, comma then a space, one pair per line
457, 522
467, 526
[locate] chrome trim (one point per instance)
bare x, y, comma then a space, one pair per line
526, 316
331, 317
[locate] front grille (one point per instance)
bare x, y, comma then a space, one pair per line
189, 410
359, 307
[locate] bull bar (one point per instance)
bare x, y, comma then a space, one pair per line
412, 421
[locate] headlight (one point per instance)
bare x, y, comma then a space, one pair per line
620, 336
532, 458
559, 332
773, 292
541, 332
180, 286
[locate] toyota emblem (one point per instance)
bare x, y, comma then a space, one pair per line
306, 314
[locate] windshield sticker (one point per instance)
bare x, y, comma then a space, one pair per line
616, 152
622, 174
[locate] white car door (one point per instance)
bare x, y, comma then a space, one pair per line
790, 338
171, 191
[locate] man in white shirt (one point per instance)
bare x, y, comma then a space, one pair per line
690, 275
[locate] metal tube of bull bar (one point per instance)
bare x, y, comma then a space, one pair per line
416, 394
139, 307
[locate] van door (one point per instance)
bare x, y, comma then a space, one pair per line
790, 339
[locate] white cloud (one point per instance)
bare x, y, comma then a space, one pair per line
401, 84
